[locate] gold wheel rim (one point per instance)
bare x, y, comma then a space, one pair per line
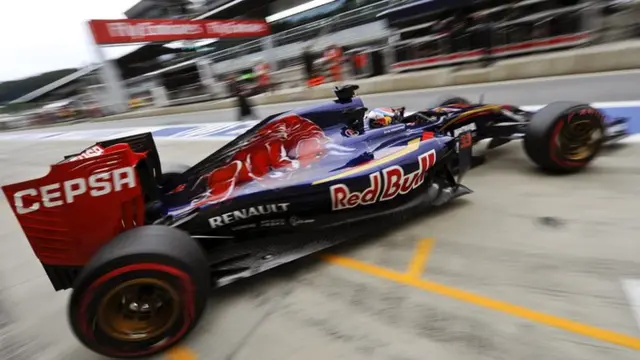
138, 310
578, 139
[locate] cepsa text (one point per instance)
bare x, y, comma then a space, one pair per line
66, 192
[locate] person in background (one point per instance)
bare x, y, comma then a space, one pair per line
333, 55
307, 60
240, 91
360, 60
485, 32
231, 84
262, 70
457, 32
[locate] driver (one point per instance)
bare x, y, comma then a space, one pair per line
381, 117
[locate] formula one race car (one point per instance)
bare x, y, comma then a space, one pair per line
141, 244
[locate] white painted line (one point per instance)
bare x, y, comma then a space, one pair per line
632, 139
631, 288
531, 107
616, 104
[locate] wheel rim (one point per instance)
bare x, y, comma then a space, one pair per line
578, 140
138, 310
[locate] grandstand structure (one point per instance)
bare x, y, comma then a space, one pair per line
179, 66
440, 32
416, 34
349, 23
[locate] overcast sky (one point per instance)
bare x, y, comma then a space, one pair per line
43, 35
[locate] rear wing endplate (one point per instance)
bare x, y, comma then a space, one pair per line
79, 205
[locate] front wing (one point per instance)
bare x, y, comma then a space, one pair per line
615, 130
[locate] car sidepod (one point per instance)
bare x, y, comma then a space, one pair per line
398, 178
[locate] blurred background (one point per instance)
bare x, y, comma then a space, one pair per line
312, 43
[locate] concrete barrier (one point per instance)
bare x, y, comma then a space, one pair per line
607, 57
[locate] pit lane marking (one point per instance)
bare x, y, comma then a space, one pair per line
410, 279
180, 353
418, 263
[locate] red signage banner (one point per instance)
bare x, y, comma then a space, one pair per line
145, 30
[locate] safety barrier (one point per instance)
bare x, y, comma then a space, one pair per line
471, 56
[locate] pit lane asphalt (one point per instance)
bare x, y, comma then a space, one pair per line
556, 245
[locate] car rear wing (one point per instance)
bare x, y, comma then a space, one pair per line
78, 206
140, 143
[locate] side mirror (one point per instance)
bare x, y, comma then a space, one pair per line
345, 93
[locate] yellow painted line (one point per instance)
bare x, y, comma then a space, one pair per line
420, 258
413, 145
180, 353
479, 300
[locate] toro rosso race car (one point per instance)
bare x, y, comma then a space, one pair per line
141, 243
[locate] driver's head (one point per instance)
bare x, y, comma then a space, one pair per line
380, 117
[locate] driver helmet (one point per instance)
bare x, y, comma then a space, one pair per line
380, 117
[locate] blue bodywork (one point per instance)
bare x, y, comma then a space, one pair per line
346, 159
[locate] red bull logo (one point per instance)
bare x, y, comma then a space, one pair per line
384, 185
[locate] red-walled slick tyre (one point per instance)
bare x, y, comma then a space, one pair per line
141, 293
564, 137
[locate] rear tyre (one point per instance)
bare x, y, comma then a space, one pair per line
446, 100
141, 293
564, 137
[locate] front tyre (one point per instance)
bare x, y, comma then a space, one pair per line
564, 137
141, 293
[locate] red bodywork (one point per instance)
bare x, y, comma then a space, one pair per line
80, 205
288, 143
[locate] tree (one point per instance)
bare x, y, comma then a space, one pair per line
11, 90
